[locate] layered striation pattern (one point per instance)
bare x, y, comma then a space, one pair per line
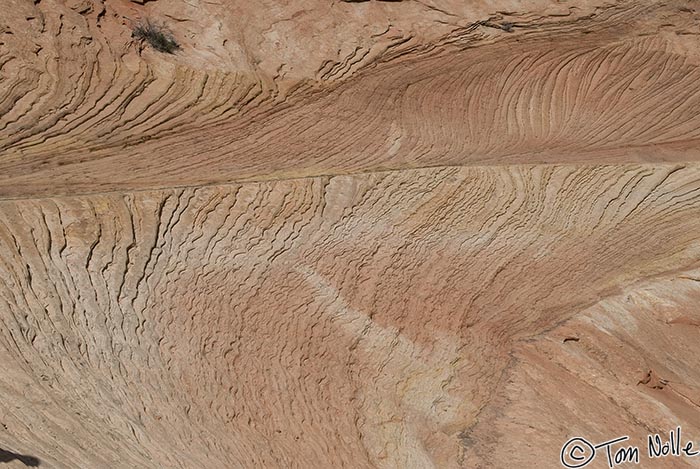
337, 234
356, 320
103, 118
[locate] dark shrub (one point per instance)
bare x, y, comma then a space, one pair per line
157, 36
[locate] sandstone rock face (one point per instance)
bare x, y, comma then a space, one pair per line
347, 234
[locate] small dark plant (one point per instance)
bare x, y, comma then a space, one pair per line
157, 36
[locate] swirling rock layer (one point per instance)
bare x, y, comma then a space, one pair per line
86, 113
355, 320
369, 234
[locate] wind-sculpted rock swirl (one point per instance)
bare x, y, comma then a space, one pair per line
346, 234
101, 117
364, 321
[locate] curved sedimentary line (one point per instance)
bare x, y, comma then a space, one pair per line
507, 100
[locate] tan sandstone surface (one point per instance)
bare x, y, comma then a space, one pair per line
324, 234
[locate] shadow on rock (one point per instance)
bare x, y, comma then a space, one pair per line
9, 456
